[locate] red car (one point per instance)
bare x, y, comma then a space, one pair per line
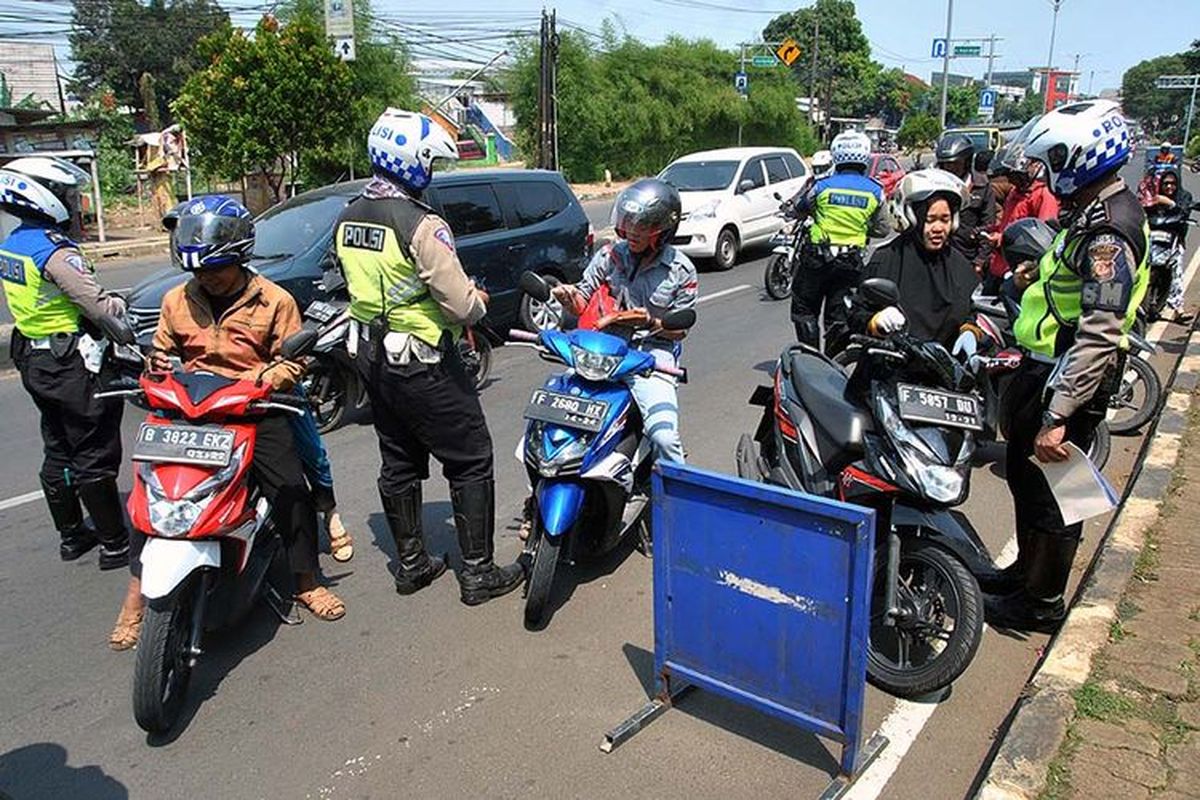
885, 169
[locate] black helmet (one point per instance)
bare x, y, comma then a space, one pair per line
1026, 240
996, 166
954, 146
650, 205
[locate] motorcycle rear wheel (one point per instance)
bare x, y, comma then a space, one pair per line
545, 553
935, 588
1137, 400
161, 671
328, 387
1101, 446
777, 278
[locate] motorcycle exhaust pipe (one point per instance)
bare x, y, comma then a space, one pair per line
893, 571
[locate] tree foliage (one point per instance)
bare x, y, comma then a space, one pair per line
115, 42
1158, 110
631, 108
919, 130
265, 98
113, 151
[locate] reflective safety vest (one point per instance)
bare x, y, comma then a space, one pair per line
1052, 305
372, 240
843, 205
38, 306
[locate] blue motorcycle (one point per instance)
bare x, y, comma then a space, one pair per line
587, 457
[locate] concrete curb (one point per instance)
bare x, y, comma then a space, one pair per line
132, 248
1047, 706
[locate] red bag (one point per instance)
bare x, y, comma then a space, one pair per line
600, 305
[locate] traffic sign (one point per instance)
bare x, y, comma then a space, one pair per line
788, 52
741, 82
987, 99
343, 47
339, 18
763, 61
968, 50
939, 48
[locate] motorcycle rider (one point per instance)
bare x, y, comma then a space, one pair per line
55, 300
1077, 305
1030, 197
1171, 194
410, 298
1166, 155
847, 208
935, 280
955, 154
821, 163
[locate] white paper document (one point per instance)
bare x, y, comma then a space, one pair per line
1081, 490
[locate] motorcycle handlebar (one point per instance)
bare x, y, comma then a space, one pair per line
518, 335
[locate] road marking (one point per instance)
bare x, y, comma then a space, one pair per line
20, 500
724, 293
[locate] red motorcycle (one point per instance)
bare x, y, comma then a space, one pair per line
210, 539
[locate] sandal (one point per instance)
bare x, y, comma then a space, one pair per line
341, 544
127, 630
322, 603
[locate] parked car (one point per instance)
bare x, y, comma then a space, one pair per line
729, 198
505, 221
885, 169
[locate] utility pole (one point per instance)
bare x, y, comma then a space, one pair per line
991, 59
812, 78
1091, 77
946, 60
741, 68
547, 147
1053, 31
1182, 82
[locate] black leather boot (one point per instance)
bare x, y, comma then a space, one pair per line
415, 568
103, 502
475, 518
77, 538
1040, 604
1011, 578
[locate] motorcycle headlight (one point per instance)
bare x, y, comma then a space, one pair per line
565, 460
174, 518
593, 366
937, 481
706, 211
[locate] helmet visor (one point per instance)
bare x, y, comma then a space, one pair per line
201, 235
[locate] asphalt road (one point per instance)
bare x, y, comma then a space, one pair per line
423, 697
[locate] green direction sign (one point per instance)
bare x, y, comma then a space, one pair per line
763, 61
968, 49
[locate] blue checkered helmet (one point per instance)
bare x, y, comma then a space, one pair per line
42, 187
1079, 144
403, 146
209, 232
851, 147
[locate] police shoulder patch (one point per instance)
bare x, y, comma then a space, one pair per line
443, 235
76, 262
1108, 277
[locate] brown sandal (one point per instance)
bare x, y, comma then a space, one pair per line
127, 630
341, 544
322, 604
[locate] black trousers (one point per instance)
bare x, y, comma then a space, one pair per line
81, 435
1036, 509
422, 410
829, 282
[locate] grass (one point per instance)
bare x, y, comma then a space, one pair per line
1058, 773
1146, 567
1095, 702
1116, 631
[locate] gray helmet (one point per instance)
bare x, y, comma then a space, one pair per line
954, 146
648, 205
1026, 240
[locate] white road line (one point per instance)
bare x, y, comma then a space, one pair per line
724, 293
903, 724
20, 500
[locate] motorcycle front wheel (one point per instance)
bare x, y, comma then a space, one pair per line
1101, 446
161, 668
777, 278
938, 629
544, 553
328, 387
1137, 399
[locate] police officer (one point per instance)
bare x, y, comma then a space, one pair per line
53, 295
846, 207
955, 153
1081, 300
411, 298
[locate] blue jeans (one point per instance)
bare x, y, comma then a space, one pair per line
656, 398
313, 456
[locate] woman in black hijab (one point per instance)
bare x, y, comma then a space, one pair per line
935, 281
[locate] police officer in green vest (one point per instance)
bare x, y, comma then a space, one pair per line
53, 297
847, 207
410, 298
1077, 305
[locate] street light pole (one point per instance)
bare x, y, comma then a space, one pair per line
1187, 132
1053, 31
946, 60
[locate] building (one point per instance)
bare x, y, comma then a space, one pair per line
935, 80
1033, 81
30, 72
1025, 79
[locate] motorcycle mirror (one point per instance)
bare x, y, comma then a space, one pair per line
299, 344
779, 197
535, 286
117, 329
679, 320
879, 292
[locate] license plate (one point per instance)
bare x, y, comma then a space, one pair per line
203, 445
320, 311
937, 407
568, 411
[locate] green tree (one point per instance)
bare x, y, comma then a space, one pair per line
1158, 110
281, 94
918, 130
962, 105
115, 42
113, 151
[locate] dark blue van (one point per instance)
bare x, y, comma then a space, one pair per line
505, 221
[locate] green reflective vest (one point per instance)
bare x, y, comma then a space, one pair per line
843, 205
38, 306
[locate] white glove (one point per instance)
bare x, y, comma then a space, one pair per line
966, 345
890, 320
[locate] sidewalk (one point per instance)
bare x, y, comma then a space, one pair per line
1136, 732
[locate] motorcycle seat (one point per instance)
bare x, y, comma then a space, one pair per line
840, 424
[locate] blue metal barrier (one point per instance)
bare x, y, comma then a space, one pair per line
761, 595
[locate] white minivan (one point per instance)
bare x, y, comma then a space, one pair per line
729, 198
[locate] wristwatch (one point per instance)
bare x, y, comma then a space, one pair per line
1052, 420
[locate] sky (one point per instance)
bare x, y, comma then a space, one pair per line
1109, 35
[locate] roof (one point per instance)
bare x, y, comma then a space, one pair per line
737, 153
24, 116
